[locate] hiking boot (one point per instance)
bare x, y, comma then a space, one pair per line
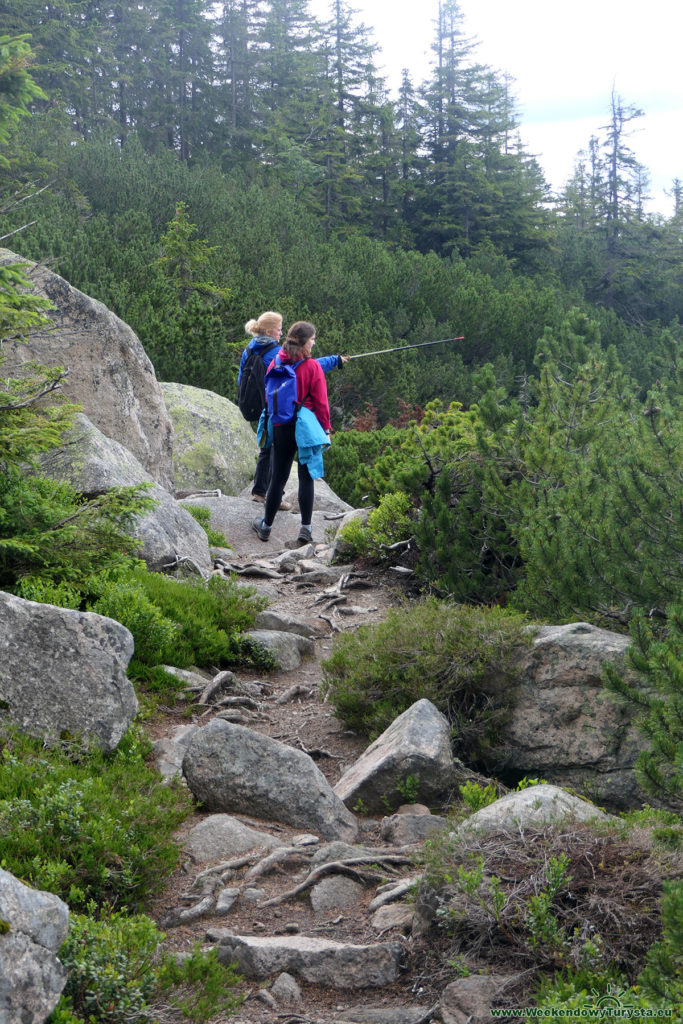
285, 506
305, 536
261, 529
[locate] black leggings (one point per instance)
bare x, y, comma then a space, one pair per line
284, 450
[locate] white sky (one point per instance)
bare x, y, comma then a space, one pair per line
564, 58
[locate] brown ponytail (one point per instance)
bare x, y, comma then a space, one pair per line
297, 336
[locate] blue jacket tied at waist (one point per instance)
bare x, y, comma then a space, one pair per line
311, 439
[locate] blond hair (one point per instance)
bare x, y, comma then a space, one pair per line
268, 321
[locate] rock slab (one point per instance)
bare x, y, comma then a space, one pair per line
318, 961
64, 671
231, 768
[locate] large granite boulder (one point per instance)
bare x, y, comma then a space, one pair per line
231, 768
93, 464
64, 672
110, 375
563, 726
233, 516
415, 750
214, 446
33, 925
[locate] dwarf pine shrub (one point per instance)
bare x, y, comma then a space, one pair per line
431, 649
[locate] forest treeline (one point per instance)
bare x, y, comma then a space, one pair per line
206, 161
193, 165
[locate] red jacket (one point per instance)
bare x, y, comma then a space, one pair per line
311, 388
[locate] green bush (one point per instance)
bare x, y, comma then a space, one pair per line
657, 700
110, 966
211, 617
386, 525
429, 649
154, 634
85, 825
115, 975
199, 985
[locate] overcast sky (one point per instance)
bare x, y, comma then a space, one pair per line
565, 59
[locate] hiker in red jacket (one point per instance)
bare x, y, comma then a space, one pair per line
296, 350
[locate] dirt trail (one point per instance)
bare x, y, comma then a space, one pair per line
305, 721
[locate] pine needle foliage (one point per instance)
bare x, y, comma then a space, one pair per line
444, 652
657, 700
590, 482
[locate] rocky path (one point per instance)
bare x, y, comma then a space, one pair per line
321, 929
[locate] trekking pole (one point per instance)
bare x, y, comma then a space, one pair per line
402, 348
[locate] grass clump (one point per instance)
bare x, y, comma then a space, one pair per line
202, 515
87, 826
431, 649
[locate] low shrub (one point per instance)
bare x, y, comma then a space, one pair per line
387, 524
429, 649
115, 975
566, 905
85, 825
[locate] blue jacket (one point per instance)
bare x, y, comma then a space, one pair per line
311, 439
270, 350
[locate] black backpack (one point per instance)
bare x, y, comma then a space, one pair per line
251, 397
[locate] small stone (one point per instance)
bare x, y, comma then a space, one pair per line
285, 989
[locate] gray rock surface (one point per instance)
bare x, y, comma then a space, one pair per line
221, 836
288, 649
214, 446
31, 976
407, 829
416, 744
285, 989
384, 1015
335, 893
469, 1000
284, 623
110, 375
93, 463
318, 961
392, 915
563, 726
531, 807
169, 751
230, 768
64, 671
233, 517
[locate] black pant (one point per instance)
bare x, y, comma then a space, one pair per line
263, 471
284, 450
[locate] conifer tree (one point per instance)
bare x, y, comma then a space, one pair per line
657, 700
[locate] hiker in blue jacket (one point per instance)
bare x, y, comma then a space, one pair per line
266, 333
